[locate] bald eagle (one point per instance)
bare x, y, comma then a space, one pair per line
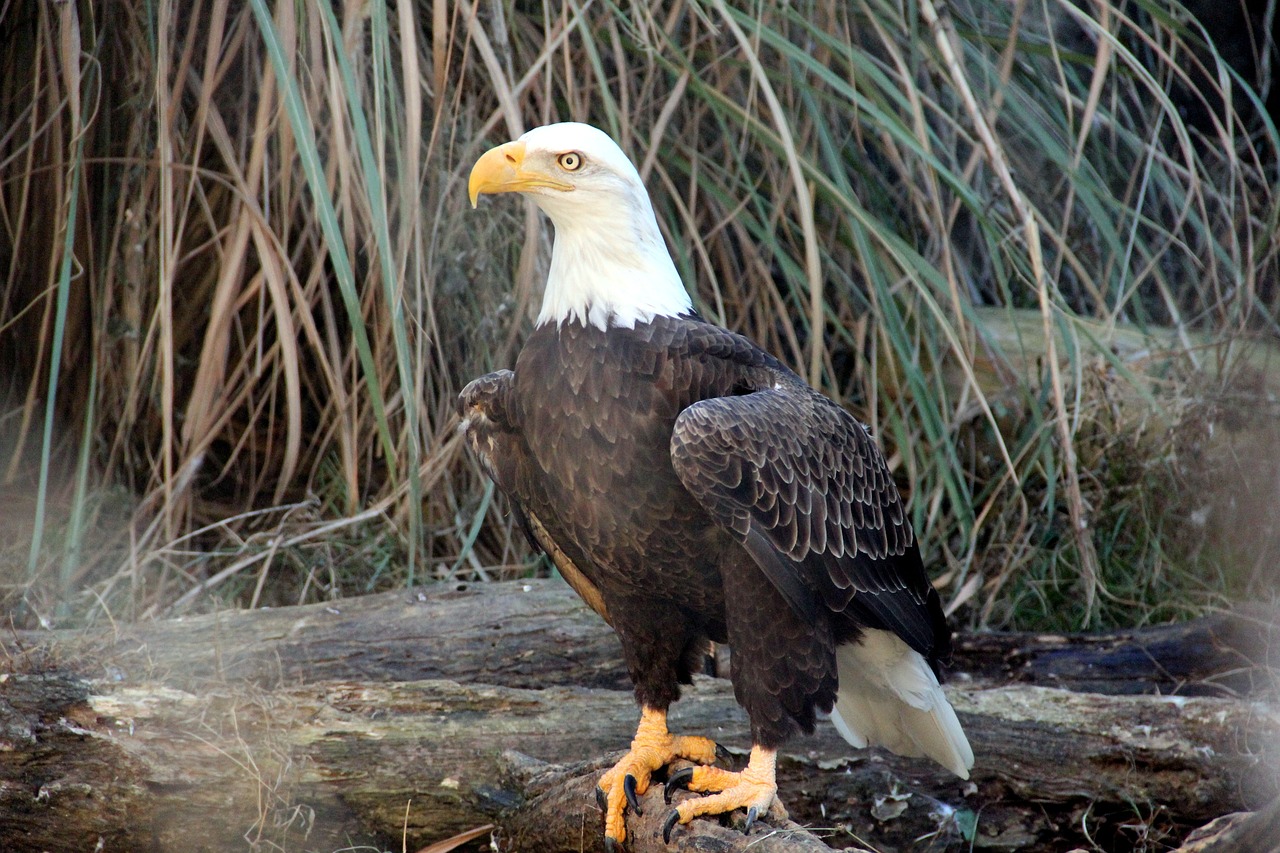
692, 489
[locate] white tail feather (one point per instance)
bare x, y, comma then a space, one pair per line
890, 697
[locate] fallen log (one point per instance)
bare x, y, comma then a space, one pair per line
1242, 832
1230, 653
154, 766
536, 633
522, 634
264, 725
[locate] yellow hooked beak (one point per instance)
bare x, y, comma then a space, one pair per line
502, 170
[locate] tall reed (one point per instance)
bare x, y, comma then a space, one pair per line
242, 287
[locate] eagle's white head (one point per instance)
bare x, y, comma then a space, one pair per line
609, 264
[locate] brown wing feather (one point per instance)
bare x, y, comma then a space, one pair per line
489, 425
805, 488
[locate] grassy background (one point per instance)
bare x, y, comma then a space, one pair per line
242, 288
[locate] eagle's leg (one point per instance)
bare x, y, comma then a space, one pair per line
753, 789
652, 748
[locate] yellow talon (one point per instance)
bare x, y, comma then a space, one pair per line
653, 747
754, 789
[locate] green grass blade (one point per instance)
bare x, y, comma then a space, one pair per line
65, 278
309, 157
372, 174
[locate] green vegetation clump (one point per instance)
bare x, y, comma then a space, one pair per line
1033, 246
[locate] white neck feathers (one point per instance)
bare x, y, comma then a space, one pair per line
601, 278
609, 264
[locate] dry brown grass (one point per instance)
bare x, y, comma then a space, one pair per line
266, 314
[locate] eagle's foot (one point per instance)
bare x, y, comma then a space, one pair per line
754, 789
652, 748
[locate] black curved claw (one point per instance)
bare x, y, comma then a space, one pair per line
752, 814
611, 845
723, 755
602, 800
676, 781
672, 820
629, 788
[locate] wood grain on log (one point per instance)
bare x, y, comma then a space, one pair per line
1242, 832
528, 634
344, 760
1224, 654
537, 632
194, 734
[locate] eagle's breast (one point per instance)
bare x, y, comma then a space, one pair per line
598, 411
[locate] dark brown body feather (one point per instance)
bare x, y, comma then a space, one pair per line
691, 488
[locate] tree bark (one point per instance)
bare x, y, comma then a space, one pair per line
522, 634
196, 734
1242, 832
537, 633
1224, 654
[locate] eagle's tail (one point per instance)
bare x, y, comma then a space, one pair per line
890, 697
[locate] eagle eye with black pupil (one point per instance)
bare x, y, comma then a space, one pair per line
570, 161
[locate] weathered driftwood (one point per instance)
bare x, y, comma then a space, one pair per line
528, 634
1242, 832
196, 734
336, 761
536, 633
1224, 654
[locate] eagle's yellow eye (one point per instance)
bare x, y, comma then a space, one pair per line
570, 161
